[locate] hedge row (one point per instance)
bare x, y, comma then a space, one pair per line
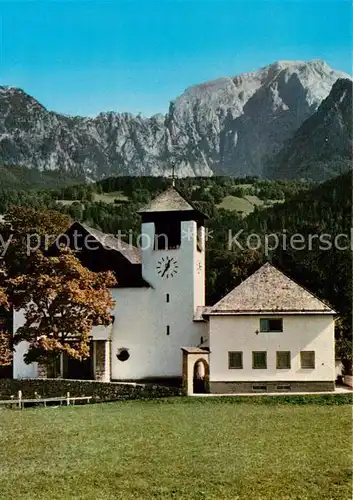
281, 399
100, 391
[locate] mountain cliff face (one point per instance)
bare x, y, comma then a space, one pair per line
322, 146
227, 126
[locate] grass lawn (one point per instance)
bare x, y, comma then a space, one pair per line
178, 449
110, 197
254, 200
104, 197
246, 204
237, 204
67, 202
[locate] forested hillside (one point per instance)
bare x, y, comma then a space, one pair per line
104, 201
18, 177
277, 209
315, 218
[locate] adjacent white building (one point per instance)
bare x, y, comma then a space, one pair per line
271, 334
268, 334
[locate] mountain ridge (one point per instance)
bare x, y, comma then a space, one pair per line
226, 126
322, 146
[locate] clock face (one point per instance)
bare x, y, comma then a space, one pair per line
167, 267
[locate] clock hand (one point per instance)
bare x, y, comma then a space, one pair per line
166, 267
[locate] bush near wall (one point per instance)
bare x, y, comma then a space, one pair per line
273, 400
100, 391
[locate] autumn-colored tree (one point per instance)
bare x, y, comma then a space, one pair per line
62, 299
5, 348
5, 336
3, 298
24, 230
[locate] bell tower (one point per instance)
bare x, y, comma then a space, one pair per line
162, 317
173, 249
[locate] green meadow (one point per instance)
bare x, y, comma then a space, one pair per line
177, 449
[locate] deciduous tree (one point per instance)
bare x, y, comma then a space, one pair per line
63, 301
27, 229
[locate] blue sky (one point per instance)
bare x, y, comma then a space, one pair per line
83, 57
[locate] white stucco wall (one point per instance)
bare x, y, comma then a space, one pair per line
143, 314
102, 332
300, 333
20, 368
188, 281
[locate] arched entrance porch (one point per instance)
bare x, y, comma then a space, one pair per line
195, 370
200, 376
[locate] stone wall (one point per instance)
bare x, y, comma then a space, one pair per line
101, 391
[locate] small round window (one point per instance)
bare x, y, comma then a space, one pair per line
123, 355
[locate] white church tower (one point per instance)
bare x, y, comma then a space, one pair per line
173, 250
173, 264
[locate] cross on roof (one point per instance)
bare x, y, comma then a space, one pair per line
173, 176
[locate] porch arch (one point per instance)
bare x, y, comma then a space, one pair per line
201, 374
195, 368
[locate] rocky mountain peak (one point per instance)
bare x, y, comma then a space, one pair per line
225, 126
322, 146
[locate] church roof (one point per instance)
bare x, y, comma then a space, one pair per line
168, 201
131, 253
109, 253
268, 290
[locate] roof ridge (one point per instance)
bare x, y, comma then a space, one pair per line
129, 251
191, 203
169, 200
299, 284
110, 235
270, 289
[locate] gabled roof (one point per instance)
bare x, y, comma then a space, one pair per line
131, 253
171, 200
168, 201
104, 253
269, 291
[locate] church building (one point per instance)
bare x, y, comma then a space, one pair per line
268, 334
